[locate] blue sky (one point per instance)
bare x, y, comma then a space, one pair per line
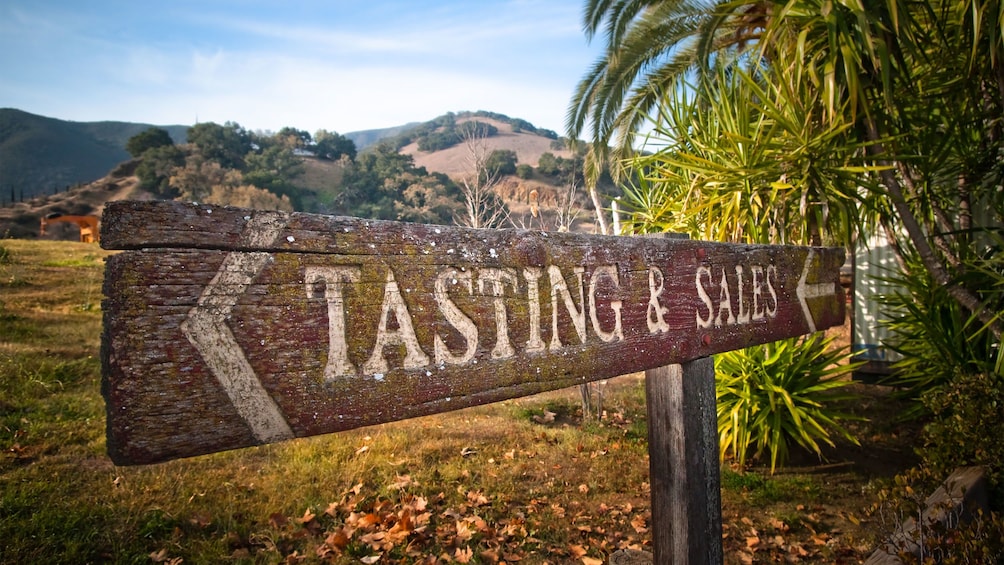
339, 65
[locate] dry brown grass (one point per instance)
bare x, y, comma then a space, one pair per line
453, 161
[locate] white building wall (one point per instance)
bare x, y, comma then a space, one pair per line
874, 260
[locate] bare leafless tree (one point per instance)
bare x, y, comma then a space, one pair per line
567, 207
483, 207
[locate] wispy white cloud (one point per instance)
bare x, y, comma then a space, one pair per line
337, 70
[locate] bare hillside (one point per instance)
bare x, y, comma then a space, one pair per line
23, 219
455, 160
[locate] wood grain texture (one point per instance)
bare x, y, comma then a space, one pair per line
683, 463
225, 328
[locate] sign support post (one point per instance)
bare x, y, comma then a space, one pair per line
683, 463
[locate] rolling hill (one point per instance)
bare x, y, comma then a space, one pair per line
49, 166
40, 155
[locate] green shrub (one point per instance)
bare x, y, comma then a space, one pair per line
780, 393
938, 340
967, 427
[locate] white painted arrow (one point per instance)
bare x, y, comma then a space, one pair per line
816, 290
206, 328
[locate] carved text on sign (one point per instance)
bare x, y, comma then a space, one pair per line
747, 296
226, 328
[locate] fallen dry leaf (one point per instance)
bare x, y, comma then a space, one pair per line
639, 524
463, 555
338, 539
277, 520
401, 482
546, 418
778, 525
464, 532
477, 498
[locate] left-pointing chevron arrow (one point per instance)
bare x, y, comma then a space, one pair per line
206, 328
805, 291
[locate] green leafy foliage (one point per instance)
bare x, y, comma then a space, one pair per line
330, 146
156, 167
274, 167
385, 184
780, 394
966, 427
501, 162
226, 144
150, 138
292, 138
452, 134
938, 339
567, 171
742, 159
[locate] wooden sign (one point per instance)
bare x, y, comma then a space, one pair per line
226, 328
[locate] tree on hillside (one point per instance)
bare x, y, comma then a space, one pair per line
202, 180
156, 167
274, 167
501, 162
547, 164
227, 144
293, 138
150, 138
384, 184
451, 134
474, 128
330, 146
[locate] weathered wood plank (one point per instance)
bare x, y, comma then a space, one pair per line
683, 463
226, 328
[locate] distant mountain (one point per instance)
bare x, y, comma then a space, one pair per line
40, 155
366, 138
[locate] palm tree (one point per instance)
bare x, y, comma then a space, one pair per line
919, 79
651, 46
922, 83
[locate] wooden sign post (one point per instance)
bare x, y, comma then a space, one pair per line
226, 328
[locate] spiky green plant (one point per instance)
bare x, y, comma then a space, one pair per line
779, 394
938, 340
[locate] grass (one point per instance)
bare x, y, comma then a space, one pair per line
482, 485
